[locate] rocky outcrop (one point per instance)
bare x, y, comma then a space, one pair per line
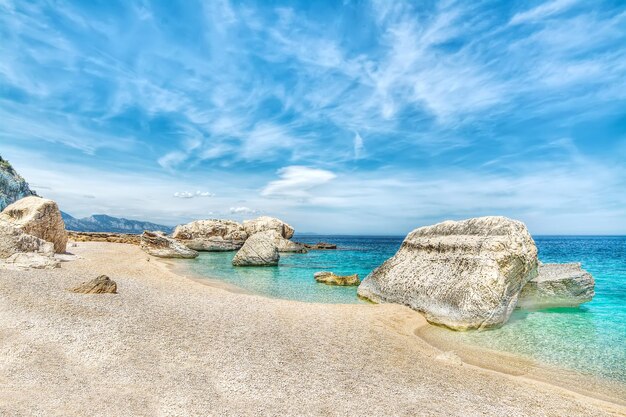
104, 237
329, 278
12, 186
14, 240
39, 217
99, 285
259, 250
159, 245
320, 246
211, 235
460, 274
265, 223
20, 261
557, 285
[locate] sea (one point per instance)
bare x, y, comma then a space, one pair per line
590, 339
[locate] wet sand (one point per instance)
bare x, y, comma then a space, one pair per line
168, 345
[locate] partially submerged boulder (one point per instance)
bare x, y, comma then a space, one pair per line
99, 285
30, 260
259, 250
329, 278
39, 217
557, 285
460, 274
14, 240
265, 223
211, 235
159, 245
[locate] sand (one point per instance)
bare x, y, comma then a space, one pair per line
167, 345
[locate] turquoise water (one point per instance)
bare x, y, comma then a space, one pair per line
591, 338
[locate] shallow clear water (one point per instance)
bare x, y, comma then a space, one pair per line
293, 278
591, 338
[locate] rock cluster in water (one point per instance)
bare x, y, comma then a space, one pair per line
259, 241
464, 274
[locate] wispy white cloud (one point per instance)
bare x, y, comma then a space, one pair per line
187, 194
546, 9
242, 210
297, 182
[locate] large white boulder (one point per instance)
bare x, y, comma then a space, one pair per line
161, 246
264, 223
259, 250
557, 285
211, 235
461, 274
39, 217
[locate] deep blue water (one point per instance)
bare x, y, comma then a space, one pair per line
590, 338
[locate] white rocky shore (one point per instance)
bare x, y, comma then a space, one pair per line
165, 345
161, 344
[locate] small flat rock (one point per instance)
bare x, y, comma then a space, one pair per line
100, 285
329, 278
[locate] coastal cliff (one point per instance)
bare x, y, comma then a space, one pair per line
12, 186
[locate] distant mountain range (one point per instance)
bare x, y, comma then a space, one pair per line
104, 223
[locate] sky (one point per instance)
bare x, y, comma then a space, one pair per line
354, 117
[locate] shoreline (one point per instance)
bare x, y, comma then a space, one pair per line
168, 344
506, 363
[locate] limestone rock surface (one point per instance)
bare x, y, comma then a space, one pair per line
557, 285
211, 235
100, 285
265, 223
286, 245
39, 217
159, 245
259, 250
461, 274
14, 240
28, 260
329, 278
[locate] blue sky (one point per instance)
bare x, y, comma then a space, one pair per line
355, 117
